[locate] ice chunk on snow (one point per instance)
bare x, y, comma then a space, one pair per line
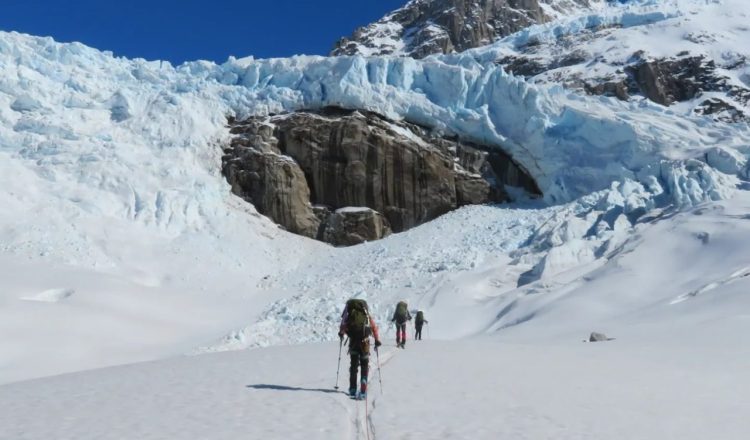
51, 295
119, 107
725, 160
25, 103
353, 209
570, 254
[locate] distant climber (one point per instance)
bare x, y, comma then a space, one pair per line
400, 316
419, 321
357, 323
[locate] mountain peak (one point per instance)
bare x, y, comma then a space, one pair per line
425, 27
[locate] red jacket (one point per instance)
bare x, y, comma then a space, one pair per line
345, 317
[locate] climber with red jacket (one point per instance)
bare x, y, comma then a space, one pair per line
400, 316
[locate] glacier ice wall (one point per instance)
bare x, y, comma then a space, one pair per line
66, 107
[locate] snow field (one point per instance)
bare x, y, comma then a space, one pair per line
434, 389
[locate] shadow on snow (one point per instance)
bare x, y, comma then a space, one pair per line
264, 386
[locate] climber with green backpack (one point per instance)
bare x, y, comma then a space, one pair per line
400, 316
358, 325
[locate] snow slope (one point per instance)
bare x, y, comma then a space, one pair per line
677, 365
550, 274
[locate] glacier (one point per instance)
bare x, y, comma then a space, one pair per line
96, 150
571, 144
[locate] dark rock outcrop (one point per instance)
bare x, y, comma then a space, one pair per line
350, 226
674, 80
721, 110
531, 65
299, 168
662, 80
617, 89
524, 66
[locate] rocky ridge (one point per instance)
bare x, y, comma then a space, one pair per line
426, 27
681, 78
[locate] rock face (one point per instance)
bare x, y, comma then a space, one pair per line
297, 168
277, 187
359, 161
425, 27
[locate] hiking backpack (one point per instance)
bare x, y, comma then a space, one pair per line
358, 319
401, 312
420, 316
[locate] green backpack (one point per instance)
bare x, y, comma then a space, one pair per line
358, 319
401, 311
420, 316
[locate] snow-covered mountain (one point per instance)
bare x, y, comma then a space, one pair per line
123, 239
691, 56
424, 27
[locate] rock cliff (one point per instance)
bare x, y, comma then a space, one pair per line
308, 171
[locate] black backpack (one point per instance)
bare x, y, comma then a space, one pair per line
358, 319
420, 316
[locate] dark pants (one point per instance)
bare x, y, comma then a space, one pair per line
400, 332
359, 351
418, 332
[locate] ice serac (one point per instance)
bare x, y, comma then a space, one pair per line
426, 27
299, 167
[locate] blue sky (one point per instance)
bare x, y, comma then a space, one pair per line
182, 30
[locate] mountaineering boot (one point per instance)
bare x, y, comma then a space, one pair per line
352, 392
362, 389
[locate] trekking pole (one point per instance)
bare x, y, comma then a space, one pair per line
380, 372
341, 344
